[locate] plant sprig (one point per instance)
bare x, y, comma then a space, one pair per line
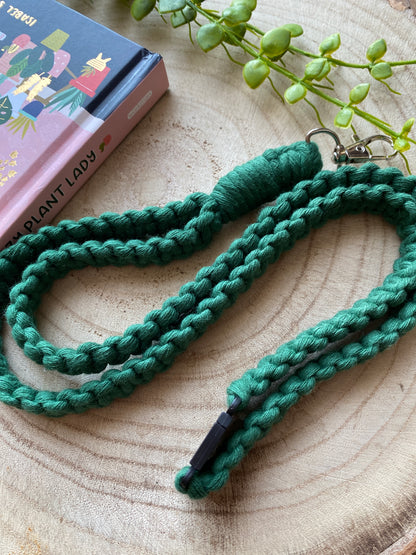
267, 50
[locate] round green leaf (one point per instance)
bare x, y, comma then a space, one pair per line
255, 72
376, 50
330, 44
407, 127
209, 36
359, 92
325, 70
167, 6
344, 118
140, 8
239, 13
294, 29
295, 93
275, 42
251, 4
238, 31
401, 144
182, 17
314, 69
381, 70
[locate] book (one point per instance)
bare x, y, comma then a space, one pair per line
70, 91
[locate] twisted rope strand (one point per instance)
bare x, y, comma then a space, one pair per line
151, 236
260, 421
305, 199
399, 208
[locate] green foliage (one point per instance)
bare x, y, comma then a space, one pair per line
21, 124
27, 62
182, 17
255, 72
407, 126
140, 8
267, 52
234, 15
401, 143
16, 68
344, 117
382, 70
235, 34
295, 93
251, 4
72, 98
5, 110
329, 45
209, 36
294, 29
326, 68
359, 93
376, 50
315, 68
275, 42
168, 6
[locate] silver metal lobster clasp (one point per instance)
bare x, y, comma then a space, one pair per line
356, 153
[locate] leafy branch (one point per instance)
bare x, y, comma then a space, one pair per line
268, 50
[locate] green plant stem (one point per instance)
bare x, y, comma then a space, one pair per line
383, 126
403, 63
254, 52
315, 109
230, 57
336, 61
296, 50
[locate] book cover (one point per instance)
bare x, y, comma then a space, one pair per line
70, 91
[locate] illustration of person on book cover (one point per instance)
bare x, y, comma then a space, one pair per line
56, 84
27, 97
62, 77
34, 67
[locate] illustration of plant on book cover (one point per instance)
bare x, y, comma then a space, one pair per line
61, 75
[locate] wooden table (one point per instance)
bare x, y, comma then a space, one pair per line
337, 476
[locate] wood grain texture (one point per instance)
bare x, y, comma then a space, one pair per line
337, 475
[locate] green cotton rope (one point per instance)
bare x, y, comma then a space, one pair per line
306, 199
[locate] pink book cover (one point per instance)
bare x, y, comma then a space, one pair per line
70, 91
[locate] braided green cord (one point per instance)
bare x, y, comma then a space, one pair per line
151, 236
160, 235
311, 204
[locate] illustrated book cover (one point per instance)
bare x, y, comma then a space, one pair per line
70, 91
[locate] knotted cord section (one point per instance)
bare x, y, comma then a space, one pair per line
305, 199
309, 205
151, 236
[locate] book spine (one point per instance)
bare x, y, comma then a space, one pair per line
89, 156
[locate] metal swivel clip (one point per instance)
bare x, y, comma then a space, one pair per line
356, 153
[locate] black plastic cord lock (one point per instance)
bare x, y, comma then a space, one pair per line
212, 442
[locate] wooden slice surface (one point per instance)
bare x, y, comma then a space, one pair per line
337, 475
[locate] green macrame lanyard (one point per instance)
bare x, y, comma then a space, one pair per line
304, 199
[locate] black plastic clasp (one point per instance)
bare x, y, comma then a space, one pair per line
212, 442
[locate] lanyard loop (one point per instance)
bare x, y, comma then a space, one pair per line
281, 379
305, 198
150, 236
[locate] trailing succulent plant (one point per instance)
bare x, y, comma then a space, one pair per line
268, 51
